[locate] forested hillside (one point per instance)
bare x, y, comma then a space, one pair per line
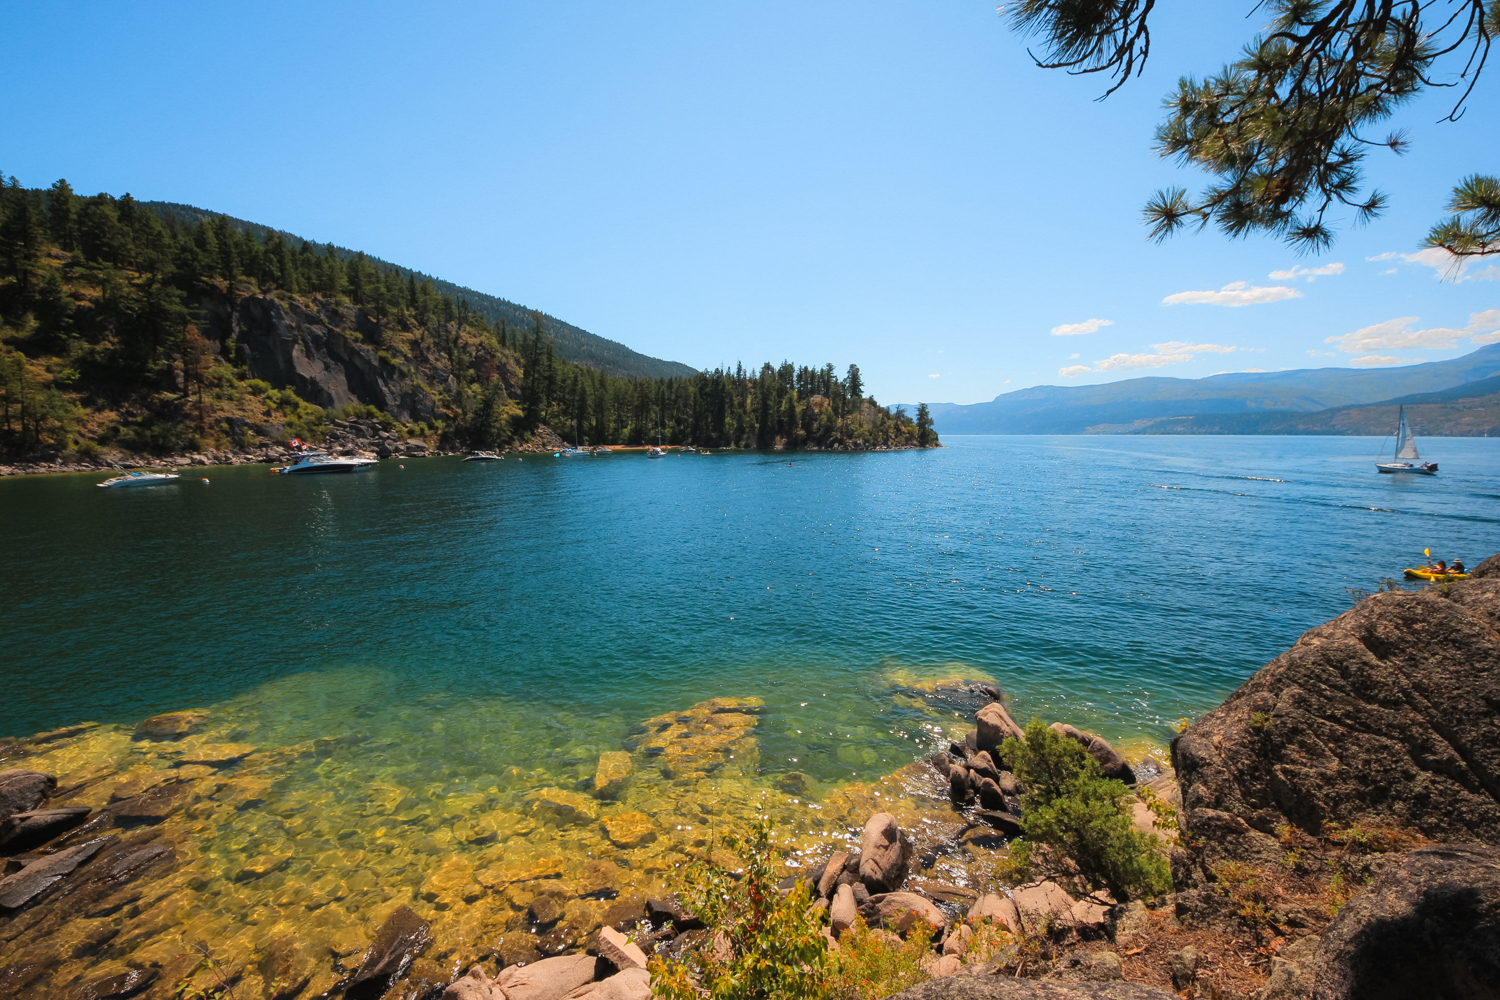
124, 330
575, 344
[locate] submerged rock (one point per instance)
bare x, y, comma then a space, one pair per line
612, 773
171, 725
28, 830
40, 875
400, 939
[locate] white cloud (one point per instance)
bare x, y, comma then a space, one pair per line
1382, 360
1074, 329
1072, 356
1448, 266
934, 376
1251, 371
1392, 270
1182, 346
1126, 362
1324, 354
1310, 273
1398, 333
1173, 352
1236, 293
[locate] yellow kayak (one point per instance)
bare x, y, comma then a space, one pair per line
1433, 575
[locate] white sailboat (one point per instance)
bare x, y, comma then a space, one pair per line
1407, 459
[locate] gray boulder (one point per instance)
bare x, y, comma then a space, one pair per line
28, 830
995, 726
843, 911
22, 791
884, 854
549, 979
1110, 761
1427, 926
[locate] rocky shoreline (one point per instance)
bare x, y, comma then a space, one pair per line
1337, 822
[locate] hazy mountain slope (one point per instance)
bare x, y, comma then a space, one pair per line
1471, 410
571, 342
1118, 406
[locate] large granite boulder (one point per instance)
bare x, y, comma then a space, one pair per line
1387, 716
1428, 926
995, 726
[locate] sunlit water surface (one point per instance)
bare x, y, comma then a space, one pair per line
429, 661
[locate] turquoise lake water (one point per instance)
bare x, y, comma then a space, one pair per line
541, 608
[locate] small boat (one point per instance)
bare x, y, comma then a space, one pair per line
1433, 575
688, 449
133, 479
603, 450
321, 462
654, 452
483, 456
1407, 459
573, 452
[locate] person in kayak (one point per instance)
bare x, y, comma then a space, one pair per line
1457, 567
1440, 567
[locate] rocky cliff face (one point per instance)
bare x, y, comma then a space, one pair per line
324, 354
1387, 716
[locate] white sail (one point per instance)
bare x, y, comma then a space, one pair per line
1406, 443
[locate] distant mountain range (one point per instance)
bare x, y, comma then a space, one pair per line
1460, 396
573, 343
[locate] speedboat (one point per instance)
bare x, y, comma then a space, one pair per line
483, 456
655, 452
602, 450
320, 462
132, 479
688, 449
1406, 448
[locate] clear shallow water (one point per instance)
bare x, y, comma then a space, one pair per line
416, 678
1122, 582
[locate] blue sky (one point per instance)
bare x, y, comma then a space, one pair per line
893, 184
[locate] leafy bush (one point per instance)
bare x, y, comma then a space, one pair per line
767, 946
1069, 807
869, 964
257, 387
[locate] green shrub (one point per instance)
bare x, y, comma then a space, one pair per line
768, 946
257, 387
1069, 807
868, 964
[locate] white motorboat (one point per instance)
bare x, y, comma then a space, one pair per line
1407, 459
321, 462
602, 450
483, 456
133, 479
655, 453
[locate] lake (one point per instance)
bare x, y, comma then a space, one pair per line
409, 654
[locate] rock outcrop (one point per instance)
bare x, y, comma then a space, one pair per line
1428, 926
22, 791
1110, 762
1007, 988
1387, 716
884, 854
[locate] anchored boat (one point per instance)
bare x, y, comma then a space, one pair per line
1407, 459
134, 479
322, 463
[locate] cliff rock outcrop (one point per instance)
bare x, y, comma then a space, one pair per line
1387, 716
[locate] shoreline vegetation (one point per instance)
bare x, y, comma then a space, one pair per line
1303, 833
128, 332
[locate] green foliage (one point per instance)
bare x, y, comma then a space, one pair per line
772, 944
1474, 229
1072, 810
1285, 127
869, 964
